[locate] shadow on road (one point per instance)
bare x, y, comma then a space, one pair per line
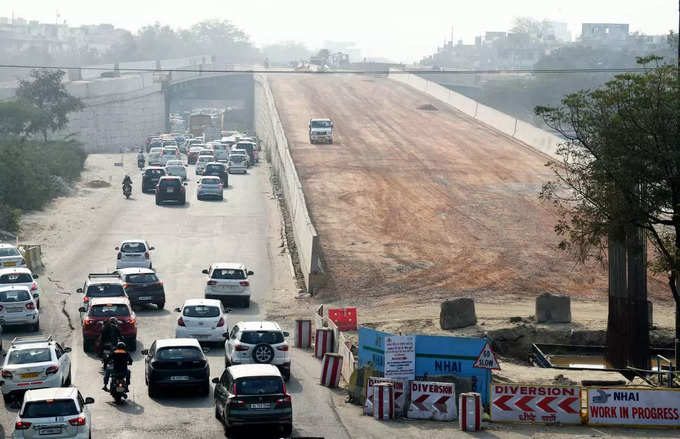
294, 385
260, 432
128, 407
184, 398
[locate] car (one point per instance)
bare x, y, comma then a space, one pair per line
260, 343
202, 319
217, 170
253, 394
134, 253
176, 168
209, 187
250, 148
150, 178
102, 309
17, 307
154, 143
244, 152
238, 162
21, 276
171, 189
228, 280
34, 363
202, 161
169, 153
54, 412
194, 152
176, 363
221, 152
142, 286
99, 285
155, 153
10, 256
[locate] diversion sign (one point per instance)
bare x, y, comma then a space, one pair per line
634, 407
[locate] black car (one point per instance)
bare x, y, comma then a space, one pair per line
218, 170
253, 394
150, 178
142, 286
171, 189
176, 363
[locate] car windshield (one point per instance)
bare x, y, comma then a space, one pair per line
10, 296
169, 151
179, 353
155, 172
110, 310
236, 158
247, 146
259, 386
141, 278
201, 311
16, 278
257, 337
9, 251
105, 290
49, 408
205, 159
321, 124
227, 273
27, 356
133, 247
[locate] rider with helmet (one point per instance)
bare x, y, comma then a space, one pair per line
121, 359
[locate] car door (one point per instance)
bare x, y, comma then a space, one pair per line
147, 360
221, 393
233, 336
64, 360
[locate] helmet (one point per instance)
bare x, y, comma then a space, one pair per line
113, 320
121, 345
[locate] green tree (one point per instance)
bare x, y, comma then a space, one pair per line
620, 166
18, 118
286, 52
46, 92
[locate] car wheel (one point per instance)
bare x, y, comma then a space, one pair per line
286, 374
246, 302
263, 353
67, 383
160, 305
36, 326
287, 430
131, 344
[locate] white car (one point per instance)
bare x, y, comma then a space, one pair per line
258, 342
34, 363
21, 277
134, 253
11, 257
176, 168
59, 412
201, 163
202, 319
228, 281
155, 156
169, 153
238, 162
17, 307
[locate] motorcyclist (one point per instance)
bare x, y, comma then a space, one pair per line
140, 156
110, 332
127, 181
121, 359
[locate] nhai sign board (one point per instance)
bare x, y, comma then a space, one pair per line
372, 348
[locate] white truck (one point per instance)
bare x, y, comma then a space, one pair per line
320, 130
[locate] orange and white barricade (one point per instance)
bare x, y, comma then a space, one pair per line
470, 411
323, 342
331, 369
383, 401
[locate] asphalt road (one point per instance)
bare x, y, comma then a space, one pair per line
245, 227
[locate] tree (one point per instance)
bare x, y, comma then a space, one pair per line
47, 93
620, 166
286, 52
18, 118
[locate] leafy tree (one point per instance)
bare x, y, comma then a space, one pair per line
620, 166
47, 93
18, 118
286, 52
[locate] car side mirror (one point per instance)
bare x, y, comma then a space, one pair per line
186, 184
117, 248
79, 290
250, 273
89, 400
67, 350
82, 309
204, 271
225, 335
35, 276
216, 380
145, 352
152, 248
286, 334
177, 310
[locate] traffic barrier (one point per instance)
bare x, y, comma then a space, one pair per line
634, 407
323, 342
432, 400
383, 395
344, 318
331, 369
470, 411
400, 394
303, 334
530, 403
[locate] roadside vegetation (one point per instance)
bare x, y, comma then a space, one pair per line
35, 168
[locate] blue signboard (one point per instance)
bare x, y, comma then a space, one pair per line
372, 348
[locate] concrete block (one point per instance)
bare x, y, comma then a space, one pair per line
457, 313
553, 308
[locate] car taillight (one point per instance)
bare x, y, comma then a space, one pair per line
131, 322
285, 401
86, 299
221, 322
237, 403
22, 425
30, 305
125, 285
34, 286
6, 374
159, 284
146, 255
240, 348
77, 422
212, 282
244, 283
282, 348
180, 322
88, 322
220, 186
1, 307
51, 370
119, 255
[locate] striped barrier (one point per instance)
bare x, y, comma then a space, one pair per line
323, 342
331, 369
432, 400
400, 394
470, 411
303, 334
383, 396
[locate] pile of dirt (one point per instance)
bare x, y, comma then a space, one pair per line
97, 184
428, 107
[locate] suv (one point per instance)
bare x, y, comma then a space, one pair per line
217, 170
101, 285
10, 256
103, 309
171, 189
155, 155
253, 394
23, 277
142, 286
150, 178
169, 153
228, 280
258, 342
54, 412
17, 307
176, 362
34, 363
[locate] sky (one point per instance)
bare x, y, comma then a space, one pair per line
401, 30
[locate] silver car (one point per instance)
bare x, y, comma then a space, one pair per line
10, 256
17, 307
209, 187
176, 168
238, 162
201, 162
154, 158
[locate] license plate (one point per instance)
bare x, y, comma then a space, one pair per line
29, 375
14, 309
145, 298
264, 405
180, 378
45, 431
171, 190
10, 264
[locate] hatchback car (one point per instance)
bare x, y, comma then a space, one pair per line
217, 170
228, 281
176, 168
202, 161
169, 153
100, 285
103, 309
134, 253
258, 342
17, 307
59, 412
209, 187
155, 153
202, 319
150, 178
10, 256
194, 152
34, 363
171, 189
253, 395
238, 162
23, 277
142, 286
176, 363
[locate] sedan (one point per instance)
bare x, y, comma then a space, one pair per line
202, 319
17, 307
176, 363
134, 253
209, 187
21, 277
142, 286
10, 256
176, 168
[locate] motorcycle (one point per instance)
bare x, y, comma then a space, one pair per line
127, 190
117, 387
140, 163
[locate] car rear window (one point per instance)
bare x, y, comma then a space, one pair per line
16, 278
14, 296
259, 386
26, 356
169, 151
247, 146
110, 310
204, 158
105, 290
237, 158
172, 182
210, 181
9, 251
179, 353
141, 278
227, 273
155, 172
50, 408
214, 168
156, 150
133, 247
201, 311
257, 337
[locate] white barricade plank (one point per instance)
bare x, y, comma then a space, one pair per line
635, 407
400, 394
535, 403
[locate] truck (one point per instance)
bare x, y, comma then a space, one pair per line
320, 130
198, 123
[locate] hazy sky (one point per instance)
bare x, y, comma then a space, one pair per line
398, 29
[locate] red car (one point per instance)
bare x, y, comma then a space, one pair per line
102, 309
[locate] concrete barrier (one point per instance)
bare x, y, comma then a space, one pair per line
33, 255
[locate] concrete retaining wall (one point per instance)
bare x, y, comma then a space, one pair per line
270, 130
541, 140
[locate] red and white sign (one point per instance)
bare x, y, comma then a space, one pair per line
634, 407
400, 394
331, 368
400, 357
344, 318
487, 359
323, 342
535, 404
470, 411
432, 400
303, 334
383, 395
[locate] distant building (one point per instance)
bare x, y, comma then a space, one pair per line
604, 32
347, 47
